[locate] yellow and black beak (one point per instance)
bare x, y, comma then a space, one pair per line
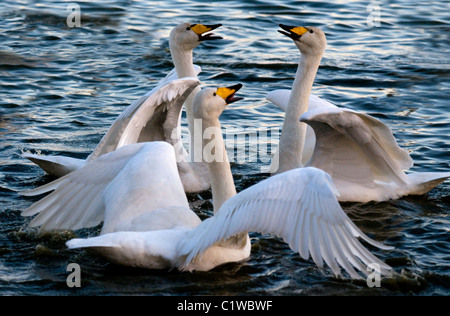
202, 31
228, 94
294, 32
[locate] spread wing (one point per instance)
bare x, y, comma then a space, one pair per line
77, 200
152, 117
120, 183
356, 148
281, 99
81, 198
353, 147
299, 206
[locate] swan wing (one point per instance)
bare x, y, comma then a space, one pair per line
172, 75
55, 165
281, 99
356, 148
149, 118
300, 206
77, 199
81, 198
147, 194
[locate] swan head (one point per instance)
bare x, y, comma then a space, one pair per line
188, 36
309, 40
209, 103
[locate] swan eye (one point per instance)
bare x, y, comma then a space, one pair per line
311, 31
215, 94
188, 28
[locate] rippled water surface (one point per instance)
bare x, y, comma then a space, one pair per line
61, 88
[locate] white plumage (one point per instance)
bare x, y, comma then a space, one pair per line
138, 194
131, 126
299, 206
119, 134
78, 201
359, 152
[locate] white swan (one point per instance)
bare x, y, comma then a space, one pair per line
147, 221
358, 151
183, 39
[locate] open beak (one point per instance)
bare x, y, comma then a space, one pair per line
293, 32
228, 94
202, 31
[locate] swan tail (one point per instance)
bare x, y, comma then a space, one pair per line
93, 242
149, 250
423, 182
55, 165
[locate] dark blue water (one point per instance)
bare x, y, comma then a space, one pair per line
61, 88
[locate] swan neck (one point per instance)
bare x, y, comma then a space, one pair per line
183, 60
302, 86
292, 137
184, 66
215, 155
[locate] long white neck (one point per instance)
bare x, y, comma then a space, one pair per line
222, 183
182, 60
292, 137
214, 152
184, 66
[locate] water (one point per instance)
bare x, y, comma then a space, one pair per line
62, 87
